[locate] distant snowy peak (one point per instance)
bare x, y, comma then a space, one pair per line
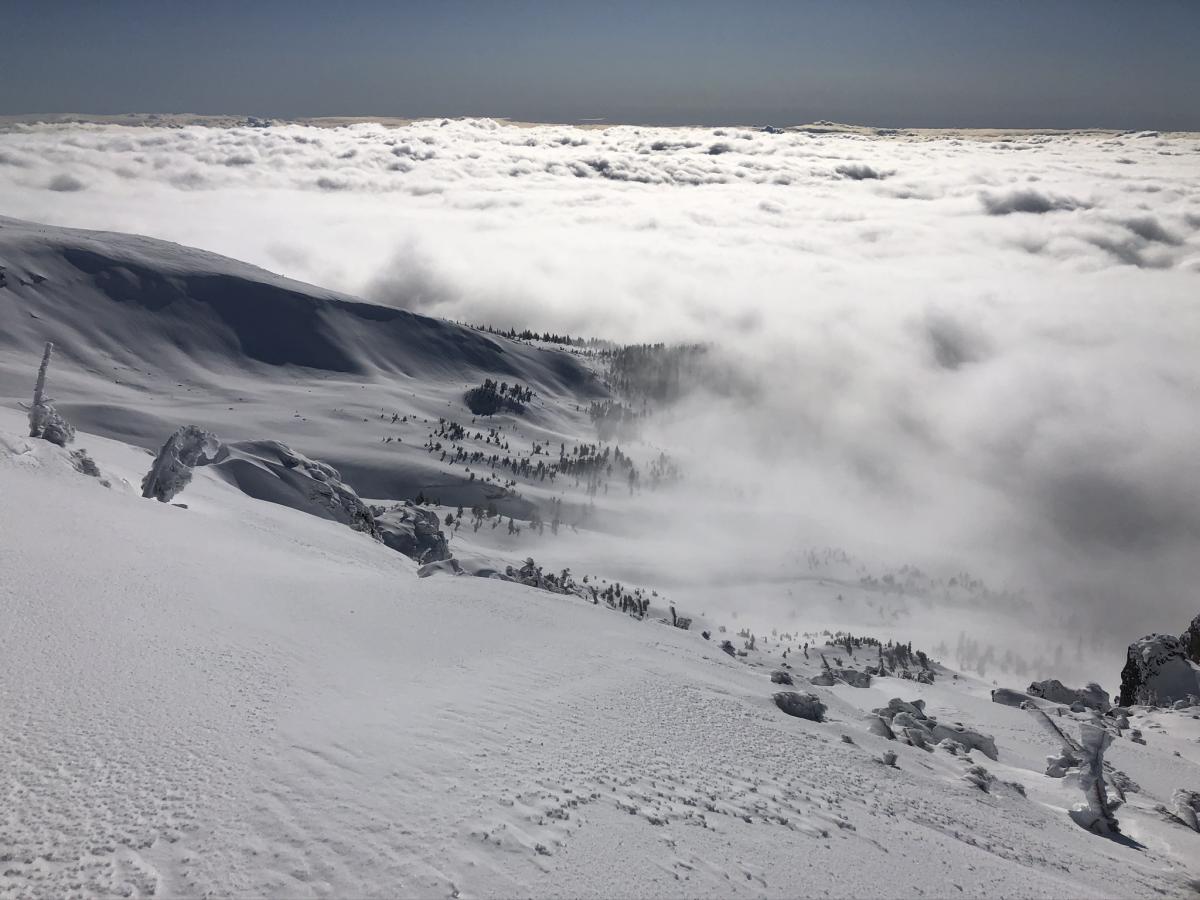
105, 297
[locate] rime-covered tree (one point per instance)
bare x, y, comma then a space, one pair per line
44, 420
172, 469
1096, 813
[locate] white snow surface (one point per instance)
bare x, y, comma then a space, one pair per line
236, 698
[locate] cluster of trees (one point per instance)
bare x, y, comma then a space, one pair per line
614, 419
657, 373
490, 398
663, 470
590, 465
547, 337
635, 603
594, 464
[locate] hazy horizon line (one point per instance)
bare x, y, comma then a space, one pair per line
833, 126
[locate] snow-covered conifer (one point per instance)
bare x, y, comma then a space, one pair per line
45, 421
1096, 813
172, 469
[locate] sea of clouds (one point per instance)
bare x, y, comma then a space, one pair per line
987, 347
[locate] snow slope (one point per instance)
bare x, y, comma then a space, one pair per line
239, 699
148, 331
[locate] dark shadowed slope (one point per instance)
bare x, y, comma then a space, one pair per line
136, 300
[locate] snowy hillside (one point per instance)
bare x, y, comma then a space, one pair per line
237, 698
150, 331
234, 693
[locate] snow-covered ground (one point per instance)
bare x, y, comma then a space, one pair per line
237, 698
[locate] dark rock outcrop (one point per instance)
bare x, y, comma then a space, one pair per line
1191, 640
1157, 671
413, 531
801, 705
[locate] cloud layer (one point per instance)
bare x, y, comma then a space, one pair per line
982, 346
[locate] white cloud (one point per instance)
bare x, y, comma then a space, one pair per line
992, 349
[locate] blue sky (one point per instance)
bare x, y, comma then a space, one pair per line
1056, 63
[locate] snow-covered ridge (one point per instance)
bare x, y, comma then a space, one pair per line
118, 296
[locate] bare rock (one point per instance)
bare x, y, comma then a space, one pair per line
1157, 672
802, 705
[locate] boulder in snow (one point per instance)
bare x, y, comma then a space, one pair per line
447, 566
853, 677
801, 705
272, 471
1157, 672
879, 727
1009, 697
1092, 696
916, 708
1187, 807
413, 531
969, 738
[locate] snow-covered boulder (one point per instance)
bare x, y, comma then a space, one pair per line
1187, 807
1091, 696
830, 677
969, 738
853, 677
878, 726
918, 737
916, 708
1058, 766
449, 566
272, 471
801, 705
781, 677
907, 720
1158, 672
1009, 697
921, 730
413, 531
